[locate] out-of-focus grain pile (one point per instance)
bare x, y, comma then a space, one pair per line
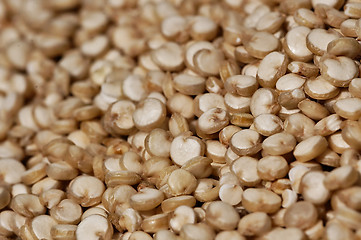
180, 119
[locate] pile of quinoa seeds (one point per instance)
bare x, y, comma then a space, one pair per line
180, 119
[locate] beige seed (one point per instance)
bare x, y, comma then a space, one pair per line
99, 209
347, 47
328, 125
271, 68
226, 134
313, 189
188, 84
170, 204
231, 193
168, 57
93, 227
118, 118
44, 185
75, 64
17, 54
316, 231
258, 12
349, 108
260, 200
199, 231
66, 212
192, 49
137, 235
216, 151
184, 187
158, 142
289, 197
351, 132
222, 216
351, 197
302, 68
114, 178
207, 190
233, 33
290, 233
329, 158
149, 114
129, 219
63, 231
19, 188
348, 28
337, 143
199, 166
155, 223
95, 46
205, 102
242, 85
349, 157
11, 170
331, 16
310, 148
174, 28
134, 88
335, 229
270, 22
154, 165
307, 18
177, 124
51, 197
184, 147
237, 104
34, 174
320, 89
27, 205
342, 177
116, 196
301, 215
264, 100
214, 85
261, 44
295, 44
246, 142
213, 120
86, 190
254, 224
230, 235
353, 9
146, 199
318, 39
242, 119
251, 69
164, 235
355, 87
271, 168
339, 71
313, 109
208, 62
245, 168
182, 215
61, 171
182, 104
5, 197
41, 226
203, 28
290, 82
279, 144
299, 125
291, 99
